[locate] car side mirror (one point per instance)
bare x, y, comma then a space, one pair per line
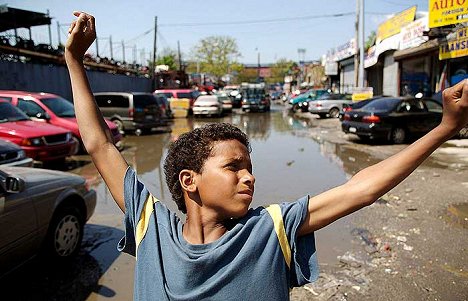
14, 185
43, 115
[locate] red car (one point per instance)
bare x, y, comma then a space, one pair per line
40, 141
179, 93
53, 109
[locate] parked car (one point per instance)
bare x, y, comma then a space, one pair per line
234, 94
226, 101
131, 111
164, 105
393, 118
40, 141
179, 93
329, 105
301, 101
53, 109
254, 97
208, 105
357, 105
42, 212
12, 155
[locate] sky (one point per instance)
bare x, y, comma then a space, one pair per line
269, 29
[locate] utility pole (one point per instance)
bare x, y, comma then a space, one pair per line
110, 44
58, 32
123, 51
356, 46
50, 32
258, 66
153, 83
180, 58
97, 47
361, 44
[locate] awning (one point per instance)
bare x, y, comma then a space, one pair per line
431, 45
11, 18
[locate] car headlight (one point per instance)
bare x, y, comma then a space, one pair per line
36, 141
304, 103
69, 136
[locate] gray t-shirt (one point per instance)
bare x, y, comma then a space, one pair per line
246, 263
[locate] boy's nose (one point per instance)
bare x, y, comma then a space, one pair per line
248, 178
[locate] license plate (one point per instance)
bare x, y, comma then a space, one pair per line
352, 130
149, 117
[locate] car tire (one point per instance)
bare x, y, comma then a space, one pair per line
334, 113
65, 234
398, 135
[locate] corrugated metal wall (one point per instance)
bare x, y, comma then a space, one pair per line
55, 79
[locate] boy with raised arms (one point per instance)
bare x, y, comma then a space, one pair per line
225, 250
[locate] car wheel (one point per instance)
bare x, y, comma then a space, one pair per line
334, 113
65, 234
119, 125
398, 135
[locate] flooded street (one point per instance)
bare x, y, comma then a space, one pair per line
288, 163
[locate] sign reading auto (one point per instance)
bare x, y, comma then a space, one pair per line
447, 12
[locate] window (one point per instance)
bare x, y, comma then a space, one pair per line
29, 107
60, 106
184, 95
107, 101
9, 99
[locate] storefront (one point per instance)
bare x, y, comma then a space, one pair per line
347, 75
339, 67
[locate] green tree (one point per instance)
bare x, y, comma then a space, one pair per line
370, 40
216, 54
279, 70
168, 57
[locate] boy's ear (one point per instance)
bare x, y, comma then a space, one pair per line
187, 180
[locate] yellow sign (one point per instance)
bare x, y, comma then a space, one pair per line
393, 25
455, 48
362, 93
447, 12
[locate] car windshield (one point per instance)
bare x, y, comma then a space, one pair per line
60, 106
142, 101
8, 112
184, 95
253, 93
381, 105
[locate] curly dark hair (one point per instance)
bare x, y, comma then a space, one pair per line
192, 149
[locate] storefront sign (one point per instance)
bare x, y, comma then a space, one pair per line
393, 25
412, 35
455, 48
331, 68
342, 52
362, 93
447, 12
373, 53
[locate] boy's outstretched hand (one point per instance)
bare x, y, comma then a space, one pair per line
82, 33
455, 107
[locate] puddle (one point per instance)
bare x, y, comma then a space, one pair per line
457, 214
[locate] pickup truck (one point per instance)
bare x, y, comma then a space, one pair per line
329, 105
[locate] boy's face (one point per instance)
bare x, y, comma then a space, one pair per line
226, 183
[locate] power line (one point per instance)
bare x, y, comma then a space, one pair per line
338, 15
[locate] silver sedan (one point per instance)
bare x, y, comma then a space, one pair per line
41, 212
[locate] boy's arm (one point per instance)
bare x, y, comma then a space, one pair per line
371, 183
94, 131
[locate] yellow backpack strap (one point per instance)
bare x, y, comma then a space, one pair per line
277, 217
142, 225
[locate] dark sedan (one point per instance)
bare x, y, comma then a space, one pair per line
393, 118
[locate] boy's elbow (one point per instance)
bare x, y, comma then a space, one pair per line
361, 194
